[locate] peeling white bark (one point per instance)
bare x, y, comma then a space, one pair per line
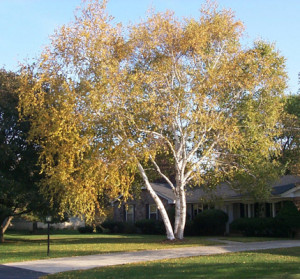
160, 206
177, 214
182, 218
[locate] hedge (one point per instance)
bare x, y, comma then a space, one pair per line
148, 226
210, 222
283, 225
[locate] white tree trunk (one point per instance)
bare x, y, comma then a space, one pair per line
160, 206
182, 218
177, 213
180, 213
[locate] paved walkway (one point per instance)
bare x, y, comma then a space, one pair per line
87, 262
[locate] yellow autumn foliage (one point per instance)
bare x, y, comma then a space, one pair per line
102, 99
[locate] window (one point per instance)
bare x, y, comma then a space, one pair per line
130, 213
268, 212
197, 208
278, 206
153, 212
242, 210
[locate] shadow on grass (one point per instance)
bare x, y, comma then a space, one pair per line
105, 239
232, 270
85, 239
24, 248
294, 252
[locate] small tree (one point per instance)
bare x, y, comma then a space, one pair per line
107, 104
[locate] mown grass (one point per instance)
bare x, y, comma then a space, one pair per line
250, 239
26, 247
276, 263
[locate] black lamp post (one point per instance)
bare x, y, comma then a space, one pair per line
48, 220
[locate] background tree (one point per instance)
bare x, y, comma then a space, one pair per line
81, 164
107, 104
19, 173
290, 138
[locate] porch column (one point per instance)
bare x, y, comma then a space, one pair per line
273, 210
249, 210
229, 211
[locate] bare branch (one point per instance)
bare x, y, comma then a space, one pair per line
196, 147
161, 174
219, 55
162, 137
197, 164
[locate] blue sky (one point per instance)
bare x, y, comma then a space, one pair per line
25, 25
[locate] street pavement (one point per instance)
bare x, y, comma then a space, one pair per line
9, 272
38, 268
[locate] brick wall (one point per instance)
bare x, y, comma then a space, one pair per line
139, 207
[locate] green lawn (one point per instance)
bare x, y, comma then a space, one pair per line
249, 239
26, 247
275, 263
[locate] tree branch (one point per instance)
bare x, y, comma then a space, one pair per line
196, 165
161, 174
164, 138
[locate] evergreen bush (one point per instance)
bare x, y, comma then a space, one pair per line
148, 226
210, 222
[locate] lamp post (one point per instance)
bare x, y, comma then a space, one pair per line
48, 220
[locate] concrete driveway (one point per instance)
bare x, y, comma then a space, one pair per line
56, 265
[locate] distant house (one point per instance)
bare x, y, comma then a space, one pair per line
23, 224
223, 197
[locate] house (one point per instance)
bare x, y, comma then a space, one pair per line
20, 223
223, 197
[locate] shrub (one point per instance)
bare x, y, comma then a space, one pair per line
210, 222
86, 229
114, 226
129, 228
148, 226
289, 218
189, 228
280, 228
260, 227
290, 214
251, 226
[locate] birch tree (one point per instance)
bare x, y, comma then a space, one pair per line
108, 102
66, 94
213, 105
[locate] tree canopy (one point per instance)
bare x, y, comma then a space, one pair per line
19, 172
105, 102
290, 137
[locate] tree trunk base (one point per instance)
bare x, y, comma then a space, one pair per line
1, 236
176, 240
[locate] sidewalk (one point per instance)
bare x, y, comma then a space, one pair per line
87, 262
